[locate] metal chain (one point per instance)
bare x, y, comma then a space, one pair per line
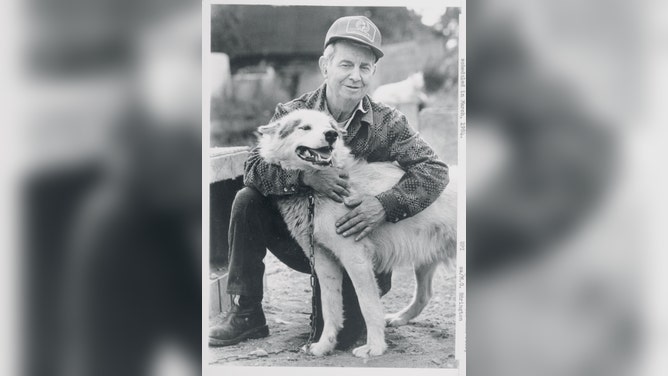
314, 310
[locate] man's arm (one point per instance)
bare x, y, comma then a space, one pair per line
424, 179
267, 178
425, 175
270, 179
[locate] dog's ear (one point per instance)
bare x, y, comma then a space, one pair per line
289, 127
419, 79
283, 127
269, 129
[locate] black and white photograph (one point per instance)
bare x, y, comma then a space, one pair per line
310, 187
334, 144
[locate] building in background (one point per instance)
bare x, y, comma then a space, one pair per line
275, 62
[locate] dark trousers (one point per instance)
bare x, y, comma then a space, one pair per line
257, 225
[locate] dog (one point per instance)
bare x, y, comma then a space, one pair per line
308, 139
406, 91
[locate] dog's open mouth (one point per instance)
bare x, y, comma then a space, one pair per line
321, 156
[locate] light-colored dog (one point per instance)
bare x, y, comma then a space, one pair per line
406, 91
307, 139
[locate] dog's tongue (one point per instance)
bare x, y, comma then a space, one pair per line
321, 156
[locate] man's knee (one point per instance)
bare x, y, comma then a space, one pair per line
246, 197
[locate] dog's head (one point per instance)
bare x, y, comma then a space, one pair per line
303, 139
418, 80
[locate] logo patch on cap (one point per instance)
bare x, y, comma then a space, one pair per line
362, 28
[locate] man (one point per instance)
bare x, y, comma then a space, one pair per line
375, 132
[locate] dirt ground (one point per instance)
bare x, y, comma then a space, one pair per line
426, 342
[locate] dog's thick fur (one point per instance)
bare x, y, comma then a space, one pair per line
424, 240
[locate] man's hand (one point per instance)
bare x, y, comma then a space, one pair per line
329, 181
367, 214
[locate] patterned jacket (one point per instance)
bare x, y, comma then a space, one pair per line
381, 134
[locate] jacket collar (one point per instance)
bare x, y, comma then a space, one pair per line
319, 98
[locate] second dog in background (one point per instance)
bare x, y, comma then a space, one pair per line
409, 90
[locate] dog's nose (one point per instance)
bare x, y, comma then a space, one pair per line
331, 136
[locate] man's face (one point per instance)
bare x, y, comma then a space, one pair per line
349, 72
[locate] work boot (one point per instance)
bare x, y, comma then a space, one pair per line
244, 321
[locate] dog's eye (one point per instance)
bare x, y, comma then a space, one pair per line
305, 127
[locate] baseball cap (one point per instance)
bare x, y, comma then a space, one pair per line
356, 28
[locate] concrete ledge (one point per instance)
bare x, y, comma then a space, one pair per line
227, 162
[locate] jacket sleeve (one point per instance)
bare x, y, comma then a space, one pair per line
267, 178
425, 174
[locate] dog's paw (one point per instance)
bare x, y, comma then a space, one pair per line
369, 350
320, 348
395, 320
